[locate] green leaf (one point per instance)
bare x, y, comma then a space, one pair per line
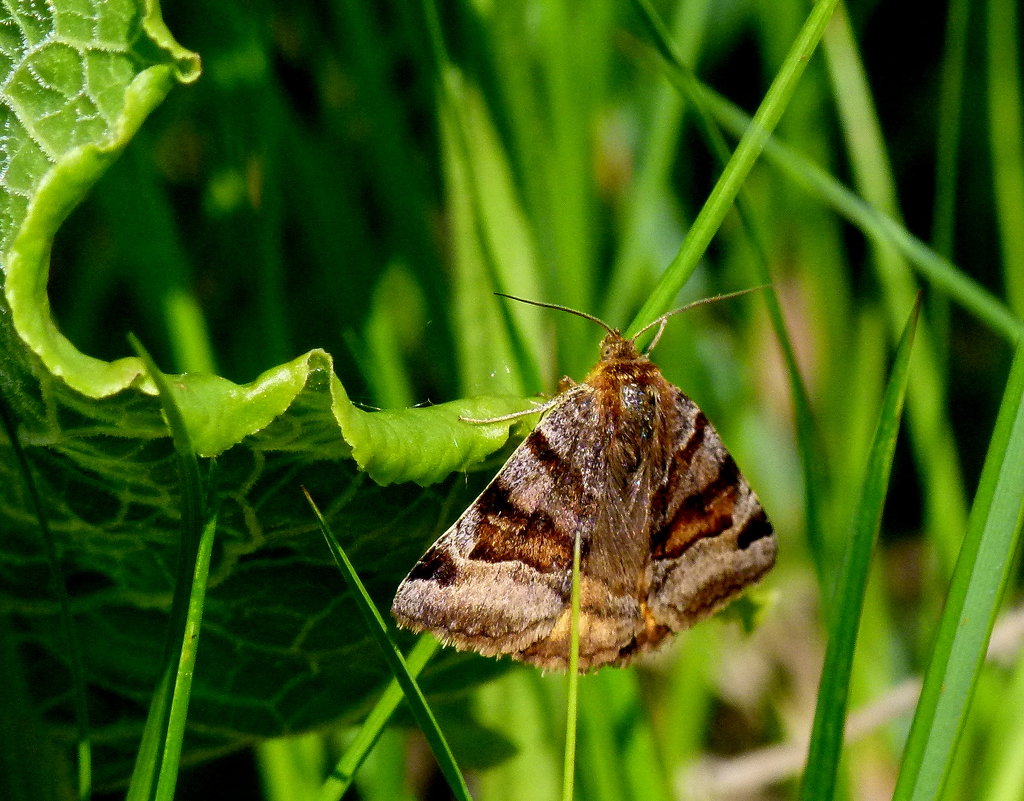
79, 83
281, 652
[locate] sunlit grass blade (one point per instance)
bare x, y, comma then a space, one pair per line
979, 580
833, 693
572, 694
157, 761
940, 271
635, 265
485, 211
735, 173
1006, 131
399, 669
74, 653
341, 777
689, 87
181, 690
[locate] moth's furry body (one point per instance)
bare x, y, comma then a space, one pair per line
669, 529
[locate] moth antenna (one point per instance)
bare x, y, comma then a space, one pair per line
660, 321
543, 305
657, 336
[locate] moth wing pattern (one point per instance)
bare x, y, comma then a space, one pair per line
500, 578
670, 531
713, 539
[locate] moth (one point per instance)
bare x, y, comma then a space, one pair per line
670, 531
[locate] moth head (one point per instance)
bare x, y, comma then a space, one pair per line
614, 347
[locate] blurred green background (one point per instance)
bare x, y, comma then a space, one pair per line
318, 188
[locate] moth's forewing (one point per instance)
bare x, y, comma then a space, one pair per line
499, 578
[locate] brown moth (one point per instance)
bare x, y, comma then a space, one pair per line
670, 531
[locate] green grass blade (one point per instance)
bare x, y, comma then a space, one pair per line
931, 436
947, 144
979, 580
181, 691
635, 266
1006, 132
520, 703
940, 271
735, 173
485, 212
833, 694
572, 694
341, 777
156, 766
811, 460
399, 669
601, 746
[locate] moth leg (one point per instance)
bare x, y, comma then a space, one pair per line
538, 408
